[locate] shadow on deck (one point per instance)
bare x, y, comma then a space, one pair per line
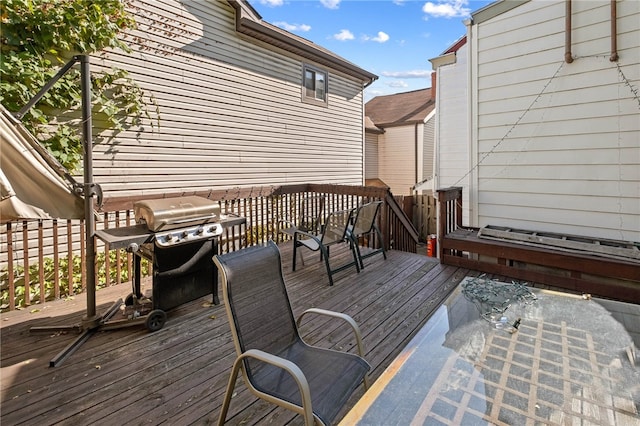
178, 374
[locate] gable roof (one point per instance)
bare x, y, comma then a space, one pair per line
370, 126
249, 22
400, 108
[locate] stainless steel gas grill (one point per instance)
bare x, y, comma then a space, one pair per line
179, 236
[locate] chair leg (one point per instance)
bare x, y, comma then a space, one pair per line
295, 248
324, 253
229, 393
353, 240
355, 251
384, 252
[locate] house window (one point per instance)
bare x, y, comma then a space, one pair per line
314, 85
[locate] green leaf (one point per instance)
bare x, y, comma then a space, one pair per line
38, 38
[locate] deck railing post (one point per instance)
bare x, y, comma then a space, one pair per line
449, 214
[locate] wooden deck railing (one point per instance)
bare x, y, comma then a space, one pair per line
450, 214
45, 259
575, 270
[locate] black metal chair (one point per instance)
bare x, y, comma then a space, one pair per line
364, 223
276, 364
334, 231
308, 217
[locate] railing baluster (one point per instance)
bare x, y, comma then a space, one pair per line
129, 255
10, 271
56, 261
70, 262
41, 284
107, 259
83, 257
118, 254
25, 258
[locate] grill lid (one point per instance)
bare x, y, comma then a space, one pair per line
173, 213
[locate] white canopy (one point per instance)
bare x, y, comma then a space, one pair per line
32, 182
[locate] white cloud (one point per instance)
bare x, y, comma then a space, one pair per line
398, 84
407, 74
330, 4
272, 3
292, 27
381, 37
447, 9
344, 35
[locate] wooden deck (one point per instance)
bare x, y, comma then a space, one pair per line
178, 374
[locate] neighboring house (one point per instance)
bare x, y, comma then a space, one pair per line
241, 103
400, 139
372, 134
539, 117
451, 156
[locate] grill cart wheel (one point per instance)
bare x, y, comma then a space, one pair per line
155, 320
128, 301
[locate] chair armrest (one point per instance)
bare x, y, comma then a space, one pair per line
285, 222
346, 318
306, 234
303, 385
312, 241
285, 226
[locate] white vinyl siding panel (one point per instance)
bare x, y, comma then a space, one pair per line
397, 153
428, 137
558, 145
371, 156
452, 127
230, 110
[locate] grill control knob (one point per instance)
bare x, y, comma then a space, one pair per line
200, 231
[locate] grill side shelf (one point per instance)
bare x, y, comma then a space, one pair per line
118, 238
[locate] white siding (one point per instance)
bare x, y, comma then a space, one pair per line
397, 148
452, 127
230, 110
428, 137
558, 145
371, 156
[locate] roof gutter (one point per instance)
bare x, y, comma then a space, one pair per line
251, 25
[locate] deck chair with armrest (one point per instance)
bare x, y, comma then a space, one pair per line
276, 364
364, 223
334, 231
308, 219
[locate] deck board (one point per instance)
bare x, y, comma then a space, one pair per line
178, 374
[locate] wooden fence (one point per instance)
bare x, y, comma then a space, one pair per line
43, 260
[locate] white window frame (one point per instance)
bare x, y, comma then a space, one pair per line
310, 87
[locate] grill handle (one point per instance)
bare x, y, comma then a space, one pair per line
185, 267
189, 220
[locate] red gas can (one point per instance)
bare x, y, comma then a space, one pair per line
432, 244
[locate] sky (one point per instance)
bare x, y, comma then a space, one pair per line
393, 39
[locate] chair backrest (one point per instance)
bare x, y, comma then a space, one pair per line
335, 226
311, 211
365, 217
256, 300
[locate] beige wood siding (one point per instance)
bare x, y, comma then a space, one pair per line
230, 108
397, 153
558, 145
371, 156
